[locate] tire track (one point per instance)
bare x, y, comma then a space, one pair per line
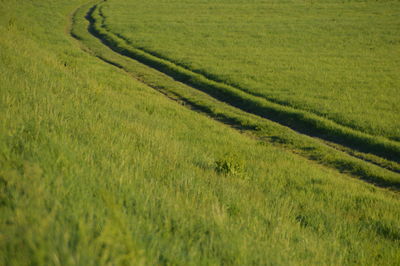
301, 121
350, 166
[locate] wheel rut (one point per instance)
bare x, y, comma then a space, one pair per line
301, 121
217, 105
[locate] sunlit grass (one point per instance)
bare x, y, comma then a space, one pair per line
338, 59
98, 169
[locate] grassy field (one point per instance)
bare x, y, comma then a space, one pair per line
98, 168
337, 59
92, 35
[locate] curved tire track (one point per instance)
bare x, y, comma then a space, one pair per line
344, 166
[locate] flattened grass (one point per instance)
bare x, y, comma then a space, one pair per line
337, 59
97, 169
90, 32
299, 120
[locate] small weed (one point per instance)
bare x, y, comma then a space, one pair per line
11, 23
229, 165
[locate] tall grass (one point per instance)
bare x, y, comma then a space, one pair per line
97, 168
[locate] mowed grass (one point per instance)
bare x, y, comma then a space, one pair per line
99, 169
337, 59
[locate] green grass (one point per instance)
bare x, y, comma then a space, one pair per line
300, 120
337, 59
97, 168
263, 129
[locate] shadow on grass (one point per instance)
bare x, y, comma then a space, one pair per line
296, 120
233, 100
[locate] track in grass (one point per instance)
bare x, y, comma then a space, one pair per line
232, 110
97, 168
336, 59
301, 121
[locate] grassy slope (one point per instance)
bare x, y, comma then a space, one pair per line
97, 168
299, 120
311, 55
264, 129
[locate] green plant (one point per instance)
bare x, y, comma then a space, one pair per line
229, 165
